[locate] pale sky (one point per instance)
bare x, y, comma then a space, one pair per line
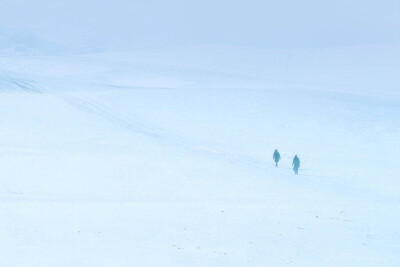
270, 24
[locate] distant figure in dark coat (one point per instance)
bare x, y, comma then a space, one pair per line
296, 164
276, 157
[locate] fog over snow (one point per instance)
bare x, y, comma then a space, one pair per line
268, 24
141, 133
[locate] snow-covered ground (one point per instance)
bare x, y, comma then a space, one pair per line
163, 157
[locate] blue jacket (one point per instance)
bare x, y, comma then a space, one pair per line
296, 162
276, 156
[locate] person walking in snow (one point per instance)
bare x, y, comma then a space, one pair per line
276, 157
296, 164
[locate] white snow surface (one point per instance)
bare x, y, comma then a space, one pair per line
163, 157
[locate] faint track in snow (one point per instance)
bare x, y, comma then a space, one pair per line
169, 138
91, 107
88, 106
12, 83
